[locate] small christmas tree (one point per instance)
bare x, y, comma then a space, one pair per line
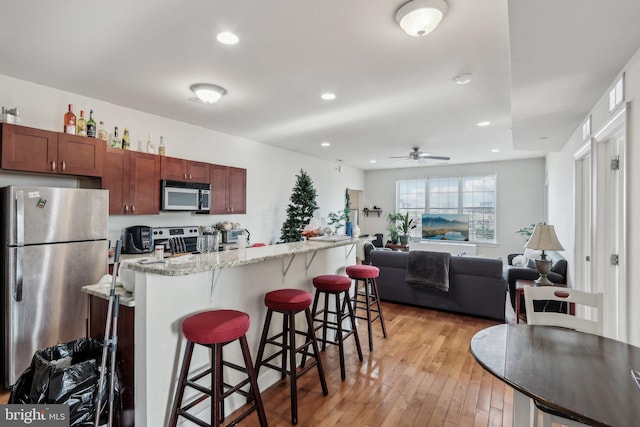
302, 204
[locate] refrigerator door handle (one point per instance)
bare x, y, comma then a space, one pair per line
16, 264
19, 218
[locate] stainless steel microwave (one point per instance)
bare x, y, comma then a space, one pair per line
186, 196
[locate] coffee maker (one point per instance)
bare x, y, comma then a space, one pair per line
137, 240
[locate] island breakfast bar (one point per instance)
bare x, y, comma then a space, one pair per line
166, 293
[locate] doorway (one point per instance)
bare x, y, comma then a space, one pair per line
609, 223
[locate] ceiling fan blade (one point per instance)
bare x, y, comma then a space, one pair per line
429, 156
398, 157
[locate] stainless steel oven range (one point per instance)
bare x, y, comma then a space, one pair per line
176, 239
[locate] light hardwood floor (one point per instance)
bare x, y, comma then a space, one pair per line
421, 375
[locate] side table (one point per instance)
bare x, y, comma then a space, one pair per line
398, 247
521, 284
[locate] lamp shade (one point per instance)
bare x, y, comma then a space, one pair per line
420, 17
208, 93
544, 238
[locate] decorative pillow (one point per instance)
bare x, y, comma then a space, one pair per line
530, 256
518, 261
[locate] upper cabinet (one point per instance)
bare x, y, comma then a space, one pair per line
133, 181
228, 190
34, 150
176, 169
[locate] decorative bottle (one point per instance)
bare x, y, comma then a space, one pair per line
126, 144
150, 146
102, 133
161, 147
81, 125
115, 141
91, 126
69, 121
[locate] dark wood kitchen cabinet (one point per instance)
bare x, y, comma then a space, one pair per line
133, 181
34, 150
177, 169
228, 190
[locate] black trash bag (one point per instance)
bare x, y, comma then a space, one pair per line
67, 373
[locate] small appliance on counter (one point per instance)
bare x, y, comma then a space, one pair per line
138, 239
231, 236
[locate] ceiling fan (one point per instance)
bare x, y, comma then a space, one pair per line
416, 154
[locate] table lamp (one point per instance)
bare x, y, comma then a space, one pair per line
544, 238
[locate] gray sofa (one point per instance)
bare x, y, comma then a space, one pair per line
476, 285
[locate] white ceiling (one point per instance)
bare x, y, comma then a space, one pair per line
538, 66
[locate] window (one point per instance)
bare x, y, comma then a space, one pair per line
411, 197
472, 195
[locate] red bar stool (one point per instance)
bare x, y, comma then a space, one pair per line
332, 284
367, 275
215, 329
289, 302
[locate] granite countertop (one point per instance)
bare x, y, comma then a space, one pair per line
192, 264
127, 298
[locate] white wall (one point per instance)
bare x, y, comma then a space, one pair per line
270, 171
560, 171
520, 197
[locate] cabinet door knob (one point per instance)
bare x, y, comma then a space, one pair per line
64, 166
185, 176
53, 165
189, 176
133, 208
126, 208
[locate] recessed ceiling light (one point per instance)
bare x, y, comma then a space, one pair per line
328, 96
372, 161
227, 38
482, 124
463, 79
326, 144
495, 150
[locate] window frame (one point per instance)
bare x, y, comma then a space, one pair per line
460, 209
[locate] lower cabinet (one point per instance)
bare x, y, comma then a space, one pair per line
133, 181
125, 416
228, 190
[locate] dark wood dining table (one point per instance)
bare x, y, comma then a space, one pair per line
582, 375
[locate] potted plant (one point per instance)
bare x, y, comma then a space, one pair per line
402, 224
338, 220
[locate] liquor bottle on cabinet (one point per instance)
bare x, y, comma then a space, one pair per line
91, 126
70, 121
161, 147
115, 141
102, 133
150, 146
81, 125
126, 144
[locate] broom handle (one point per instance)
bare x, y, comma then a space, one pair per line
107, 332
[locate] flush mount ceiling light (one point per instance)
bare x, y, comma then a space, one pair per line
227, 38
463, 79
483, 124
328, 96
420, 17
208, 93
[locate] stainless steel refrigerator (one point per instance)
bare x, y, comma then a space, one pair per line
53, 242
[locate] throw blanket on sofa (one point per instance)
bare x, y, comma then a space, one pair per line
428, 269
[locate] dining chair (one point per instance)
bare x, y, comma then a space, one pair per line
582, 324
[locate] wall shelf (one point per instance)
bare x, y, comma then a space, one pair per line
367, 211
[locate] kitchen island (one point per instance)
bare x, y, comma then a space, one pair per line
167, 293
